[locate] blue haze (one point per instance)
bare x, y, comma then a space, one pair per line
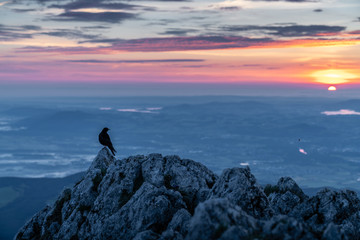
57, 137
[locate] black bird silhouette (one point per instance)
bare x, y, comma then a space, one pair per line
104, 139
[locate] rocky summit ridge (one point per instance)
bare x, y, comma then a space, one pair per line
156, 197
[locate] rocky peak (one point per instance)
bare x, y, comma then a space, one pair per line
287, 184
239, 186
157, 197
332, 211
285, 195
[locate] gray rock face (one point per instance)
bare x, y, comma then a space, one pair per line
285, 195
193, 180
239, 186
332, 232
216, 217
284, 227
331, 207
156, 197
138, 197
151, 208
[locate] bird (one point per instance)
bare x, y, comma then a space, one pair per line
104, 139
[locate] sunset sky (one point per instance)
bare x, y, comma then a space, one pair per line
180, 41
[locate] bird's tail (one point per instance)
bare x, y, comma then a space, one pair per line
112, 149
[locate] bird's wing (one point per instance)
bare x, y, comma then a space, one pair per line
106, 140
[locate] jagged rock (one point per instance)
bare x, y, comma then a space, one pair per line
239, 186
121, 198
214, 217
287, 184
340, 207
151, 208
146, 235
193, 180
332, 232
283, 203
171, 235
180, 222
168, 198
237, 232
103, 160
286, 228
33, 229
285, 195
350, 227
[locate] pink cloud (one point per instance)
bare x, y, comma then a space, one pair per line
302, 151
341, 112
190, 43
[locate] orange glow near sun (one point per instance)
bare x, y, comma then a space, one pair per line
333, 76
332, 88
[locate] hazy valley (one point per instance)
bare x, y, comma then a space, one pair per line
309, 139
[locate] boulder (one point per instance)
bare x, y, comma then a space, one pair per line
169, 198
240, 187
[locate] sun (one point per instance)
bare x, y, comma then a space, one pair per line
332, 88
333, 76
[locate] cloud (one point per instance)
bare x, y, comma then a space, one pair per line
253, 65
84, 4
4, 3
295, 1
110, 17
230, 8
221, 7
23, 10
12, 33
178, 31
60, 50
71, 34
198, 66
183, 43
9, 128
30, 27
95, 27
189, 43
104, 40
301, 150
318, 10
140, 110
357, 32
289, 30
340, 112
90, 10
156, 45
169, 0
134, 110
137, 61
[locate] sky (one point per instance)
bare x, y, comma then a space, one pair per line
87, 43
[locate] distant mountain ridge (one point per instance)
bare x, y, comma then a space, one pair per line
29, 195
156, 197
223, 107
